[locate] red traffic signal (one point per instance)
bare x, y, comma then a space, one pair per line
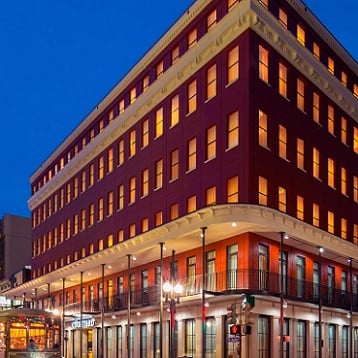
235, 329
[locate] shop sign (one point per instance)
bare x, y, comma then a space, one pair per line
89, 322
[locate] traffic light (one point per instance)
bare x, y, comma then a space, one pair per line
231, 314
235, 329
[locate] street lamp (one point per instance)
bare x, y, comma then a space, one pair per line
172, 291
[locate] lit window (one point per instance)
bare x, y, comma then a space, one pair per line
110, 240
191, 165
110, 203
355, 189
300, 208
120, 196
331, 120
315, 215
132, 190
91, 175
91, 139
191, 204
175, 54
315, 111
68, 194
174, 111
159, 174
282, 199
174, 211
330, 65
91, 214
233, 130
263, 192
282, 16
231, 3
68, 228
83, 220
100, 245
110, 160
343, 130
91, 248
174, 165
211, 20
282, 142
282, 80
100, 209
131, 230
159, 69
301, 35
355, 140
120, 152
211, 82
75, 193
263, 64
192, 38
344, 228
132, 143
145, 83
132, 95
145, 133
145, 182
263, 129
110, 115
355, 90
264, 3
355, 233
344, 181
121, 106
300, 95
316, 51
159, 122
192, 97
331, 171
145, 224
210, 196
233, 65
211, 143
120, 235
100, 168
344, 78
330, 225
75, 224
300, 154
158, 218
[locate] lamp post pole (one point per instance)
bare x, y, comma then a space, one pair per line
320, 250
203, 291
281, 294
172, 309
351, 308
102, 313
129, 307
63, 317
172, 290
81, 315
161, 302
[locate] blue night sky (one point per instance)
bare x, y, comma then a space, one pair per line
60, 58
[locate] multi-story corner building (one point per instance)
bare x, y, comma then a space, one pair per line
234, 143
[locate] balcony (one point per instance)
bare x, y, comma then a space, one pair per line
253, 282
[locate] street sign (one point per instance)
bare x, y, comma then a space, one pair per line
231, 339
